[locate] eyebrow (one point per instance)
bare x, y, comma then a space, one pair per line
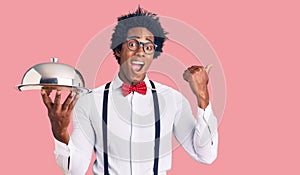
133, 37
149, 40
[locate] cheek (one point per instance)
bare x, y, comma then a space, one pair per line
149, 62
126, 55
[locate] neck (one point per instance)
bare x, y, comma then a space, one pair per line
128, 81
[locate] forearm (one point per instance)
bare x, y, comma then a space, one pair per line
198, 137
206, 136
75, 157
62, 156
208, 152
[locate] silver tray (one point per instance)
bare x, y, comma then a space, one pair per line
53, 87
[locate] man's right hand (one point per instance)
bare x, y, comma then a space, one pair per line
59, 114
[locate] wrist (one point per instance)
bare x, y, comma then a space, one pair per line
203, 98
202, 93
61, 135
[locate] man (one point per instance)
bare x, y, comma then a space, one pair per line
129, 122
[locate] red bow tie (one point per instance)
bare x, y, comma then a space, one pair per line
140, 88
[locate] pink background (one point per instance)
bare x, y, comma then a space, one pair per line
258, 46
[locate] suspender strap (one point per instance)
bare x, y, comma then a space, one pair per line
157, 129
104, 128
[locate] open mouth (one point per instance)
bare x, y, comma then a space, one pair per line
137, 66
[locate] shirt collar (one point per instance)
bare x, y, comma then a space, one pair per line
117, 82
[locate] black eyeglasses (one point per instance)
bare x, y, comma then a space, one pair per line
134, 45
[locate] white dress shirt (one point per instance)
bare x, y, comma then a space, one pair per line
131, 132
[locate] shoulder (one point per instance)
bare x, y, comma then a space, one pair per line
170, 97
87, 101
98, 90
163, 89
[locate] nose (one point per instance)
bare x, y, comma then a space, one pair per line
140, 50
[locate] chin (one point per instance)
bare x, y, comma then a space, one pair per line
138, 78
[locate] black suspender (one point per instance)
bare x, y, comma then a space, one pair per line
104, 128
157, 128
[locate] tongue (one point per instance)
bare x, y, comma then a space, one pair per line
136, 67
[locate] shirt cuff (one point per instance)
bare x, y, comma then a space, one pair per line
205, 113
61, 148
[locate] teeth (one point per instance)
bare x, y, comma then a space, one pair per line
138, 62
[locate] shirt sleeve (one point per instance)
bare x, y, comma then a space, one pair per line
75, 157
198, 137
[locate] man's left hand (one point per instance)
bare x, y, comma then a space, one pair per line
197, 76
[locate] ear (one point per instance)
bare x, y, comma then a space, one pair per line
118, 52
